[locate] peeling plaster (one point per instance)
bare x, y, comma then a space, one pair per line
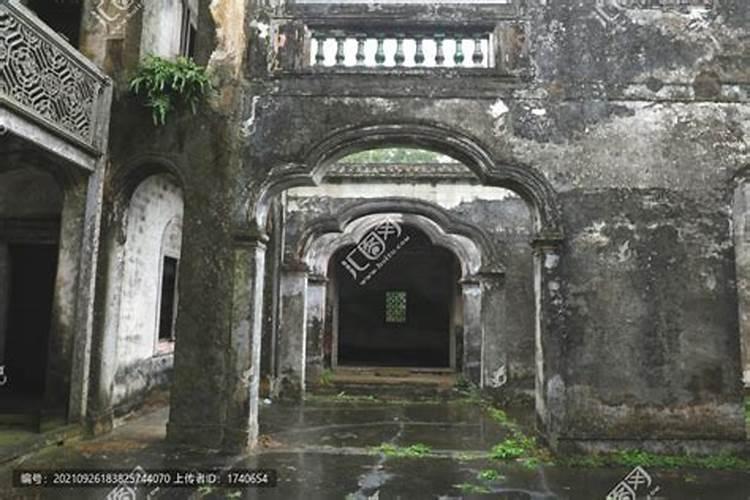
498, 109
231, 43
248, 126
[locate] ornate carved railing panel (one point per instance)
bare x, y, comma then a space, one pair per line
47, 79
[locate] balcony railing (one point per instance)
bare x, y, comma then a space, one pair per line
47, 81
435, 48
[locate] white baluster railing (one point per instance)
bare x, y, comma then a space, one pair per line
335, 49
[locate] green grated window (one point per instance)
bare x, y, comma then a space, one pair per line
395, 307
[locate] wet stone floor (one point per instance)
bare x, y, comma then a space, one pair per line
337, 448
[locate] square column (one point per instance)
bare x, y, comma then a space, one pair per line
317, 287
291, 341
72, 279
473, 338
4, 295
549, 339
495, 369
243, 377
214, 397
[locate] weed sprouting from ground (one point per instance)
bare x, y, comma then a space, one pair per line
412, 451
326, 378
634, 458
490, 475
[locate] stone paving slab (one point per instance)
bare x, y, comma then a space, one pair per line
347, 467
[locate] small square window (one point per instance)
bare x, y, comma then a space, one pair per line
395, 307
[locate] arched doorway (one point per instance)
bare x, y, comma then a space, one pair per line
403, 315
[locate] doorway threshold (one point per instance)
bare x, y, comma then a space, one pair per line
396, 370
390, 382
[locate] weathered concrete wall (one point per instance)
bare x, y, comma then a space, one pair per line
153, 231
638, 120
162, 27
29, 193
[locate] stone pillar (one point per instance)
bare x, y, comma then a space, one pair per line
550, 338
63, 327
243, 374
317, 287
290, 375
109, 281
495, 367
473, 334
742, 263
4, 295
331, 331
214, 392
86, 293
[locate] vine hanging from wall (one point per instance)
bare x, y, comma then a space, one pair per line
165, 84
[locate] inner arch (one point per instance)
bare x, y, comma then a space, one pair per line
403, 316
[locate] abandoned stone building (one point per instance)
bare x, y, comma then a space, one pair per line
580, 234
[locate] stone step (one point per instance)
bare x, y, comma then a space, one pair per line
389, 382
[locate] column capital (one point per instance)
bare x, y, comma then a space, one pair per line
250, 238
546, 243
490, 272
471, 280
317, 278
294, 266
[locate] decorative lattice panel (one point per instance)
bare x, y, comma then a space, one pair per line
39, 76
395, 307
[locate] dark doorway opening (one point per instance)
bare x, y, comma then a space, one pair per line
63, 16
168, 299
32, 284
402, 316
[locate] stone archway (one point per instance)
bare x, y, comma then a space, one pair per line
304, 292
531, 185
239, 407
524, 180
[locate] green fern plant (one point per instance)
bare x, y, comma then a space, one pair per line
165, 84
